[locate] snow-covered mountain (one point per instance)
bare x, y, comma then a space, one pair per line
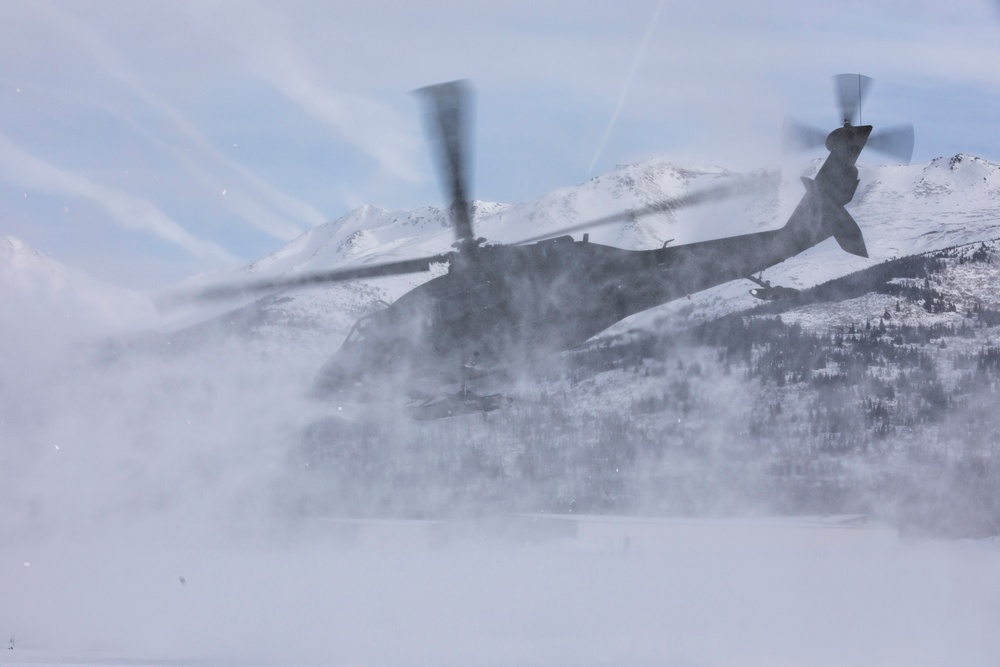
38, 293
901, 210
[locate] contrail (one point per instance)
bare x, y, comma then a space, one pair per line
271, 224
643, 45
21, 168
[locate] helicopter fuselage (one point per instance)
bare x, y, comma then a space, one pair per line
500, 306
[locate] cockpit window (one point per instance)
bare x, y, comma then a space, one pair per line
364, 327
356, 334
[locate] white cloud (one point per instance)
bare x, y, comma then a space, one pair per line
361, 121
20, 168
255, 214
279, 47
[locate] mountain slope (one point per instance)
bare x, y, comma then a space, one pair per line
39, 293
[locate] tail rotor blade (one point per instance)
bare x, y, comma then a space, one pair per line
447, 125
850, 90
895, 141
797, 136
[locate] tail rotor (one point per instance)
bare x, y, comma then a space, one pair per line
850, 90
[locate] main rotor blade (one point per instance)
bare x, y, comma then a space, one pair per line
895, 141
446, 116
797, 136
728, 190
306, 279
851, 90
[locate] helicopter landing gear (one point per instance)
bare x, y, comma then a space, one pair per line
768, 292
462, 402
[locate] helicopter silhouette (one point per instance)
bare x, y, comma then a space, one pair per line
503, 306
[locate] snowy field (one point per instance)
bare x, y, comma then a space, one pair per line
517, 591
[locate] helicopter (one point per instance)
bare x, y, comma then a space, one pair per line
500, 306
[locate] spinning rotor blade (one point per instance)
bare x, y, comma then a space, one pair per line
315, 278
447, 126
851, 90
895, 141
797, 136
733, 188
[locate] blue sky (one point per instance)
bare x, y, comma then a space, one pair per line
144, 142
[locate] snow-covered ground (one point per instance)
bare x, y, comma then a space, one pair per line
594, 591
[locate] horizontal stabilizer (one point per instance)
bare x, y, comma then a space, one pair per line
847, 232
837, 221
